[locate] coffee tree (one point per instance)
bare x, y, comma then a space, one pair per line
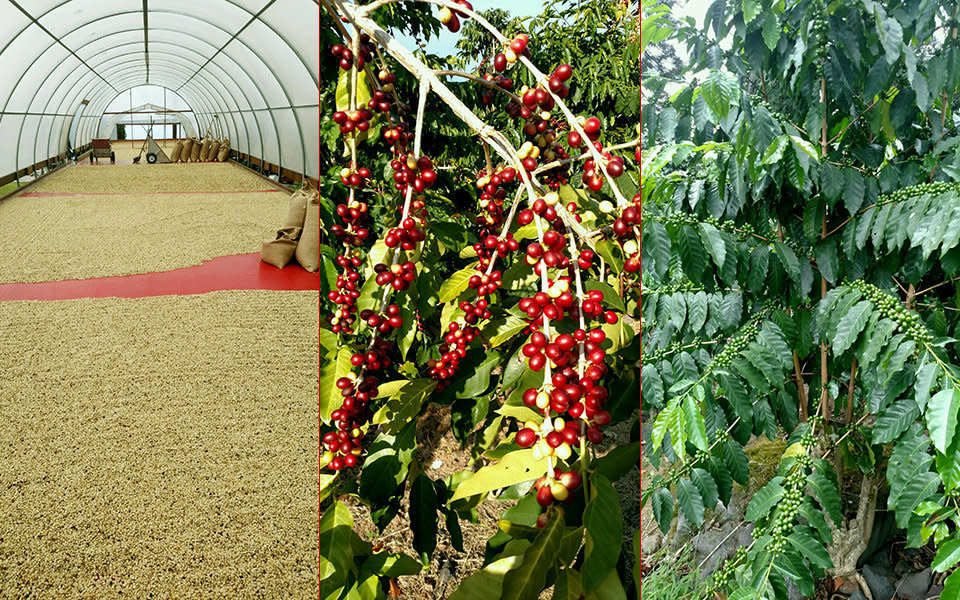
800, 264
483, 254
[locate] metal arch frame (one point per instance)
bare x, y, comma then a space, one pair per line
35, 20
88, 81
80, 116
200, 95
255, 17
219, 88
146, 40
77, 116
227, 74
252, 51
114, 120
185, 118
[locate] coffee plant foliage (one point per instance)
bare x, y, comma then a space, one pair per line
801, 252
480, 258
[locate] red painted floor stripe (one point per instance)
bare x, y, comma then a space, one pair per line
60, 194
239, 272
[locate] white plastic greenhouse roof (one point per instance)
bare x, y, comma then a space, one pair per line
253, 63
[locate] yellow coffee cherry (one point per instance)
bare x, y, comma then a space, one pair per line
559, 491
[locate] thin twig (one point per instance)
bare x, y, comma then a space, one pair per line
480, 80
722, 542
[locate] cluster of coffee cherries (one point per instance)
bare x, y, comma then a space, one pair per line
351, 233
500, 81
416, 172
451, 18
624, 228
907, 321
383, 323
399, 275
452, 350
592, 172
550, 252
558, 488
383, 98
346, 57
349, 121
568, 400
572, 396
543, 207
398, 136
407, 236
346, 294
490, 203
489, 220
354, 177
343, 447
512, 50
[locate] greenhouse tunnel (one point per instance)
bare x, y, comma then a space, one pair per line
247, 68
158, 364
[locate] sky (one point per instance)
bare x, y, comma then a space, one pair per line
445, 43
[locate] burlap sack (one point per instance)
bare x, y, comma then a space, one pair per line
297, 211
205, 150
308, 250
278, 252
195, 150
187, 149
177, 149
214, 148
224, 153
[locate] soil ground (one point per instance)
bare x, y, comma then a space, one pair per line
442, 454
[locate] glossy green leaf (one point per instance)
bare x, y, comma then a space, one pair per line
501, 330
389, 564
736, 461
765, 499
423, 517
603, 521
810, 548
336, 556
720, 89
344, 88
515, 467
690, 501
941, 417
404, 404
951, 587
454, 285
386, 464
568, 585
330, 371
529, 578
488, 582
894, 420
618, 461
825, 491
662, 504
714, 243
948, 554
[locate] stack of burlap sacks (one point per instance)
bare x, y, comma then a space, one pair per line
300, 235
205, 150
